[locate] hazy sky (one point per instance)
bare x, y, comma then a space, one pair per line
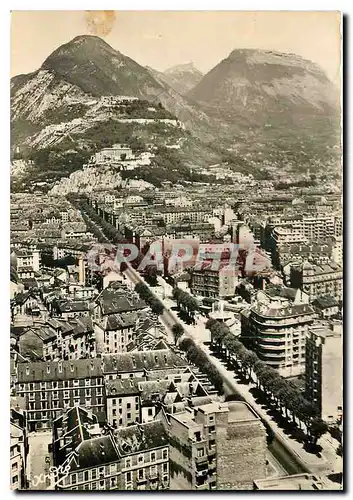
164, 38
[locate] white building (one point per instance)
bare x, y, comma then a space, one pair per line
26, 258
324, 371
118, 152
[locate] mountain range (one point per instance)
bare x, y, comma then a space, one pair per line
252, 101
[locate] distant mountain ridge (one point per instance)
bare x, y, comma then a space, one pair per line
182, 77
261, 88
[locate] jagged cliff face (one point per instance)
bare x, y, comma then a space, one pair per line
267, 89
35, 94
182, 77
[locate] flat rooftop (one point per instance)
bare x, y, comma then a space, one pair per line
187, 418
296, 482
239, 411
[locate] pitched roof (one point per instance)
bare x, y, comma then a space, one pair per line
119, 321
121, 387
150, 387
114, 300
50, 370
325, 301
70, 428
140, 438
94, 452
21, 298
141, 360
73, 306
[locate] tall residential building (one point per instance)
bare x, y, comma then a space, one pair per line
215, 446
276, 328
123, 402
324, 371
216, 284
317, 280
84, 458
317, 226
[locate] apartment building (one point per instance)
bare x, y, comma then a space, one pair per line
51, 386
68, 340
220, 283
70, 309
85, 458
215, 446
116, 299
123, 402
324, 371
144, 452
287, 235
337, 250
202, 231
18, 449
318, 279
313, 227
171, 216
319, 252
135, 400
95, 458
115, 331
27, 258
276, 328
326, 306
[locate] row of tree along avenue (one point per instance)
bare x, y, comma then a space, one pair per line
195, 355
145, 293
187, 304
280, 394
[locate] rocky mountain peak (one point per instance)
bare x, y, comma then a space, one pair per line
183, 68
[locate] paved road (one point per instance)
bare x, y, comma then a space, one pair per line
328, 462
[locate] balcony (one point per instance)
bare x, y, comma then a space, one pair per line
278, 355
268, 347
203, 486
201, 460
212, 466
211, 453
202, 472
